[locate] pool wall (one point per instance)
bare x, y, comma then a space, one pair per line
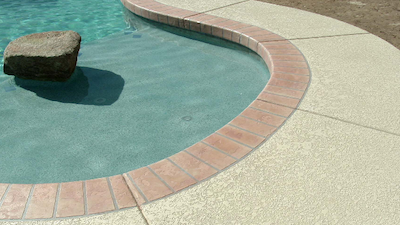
290, 77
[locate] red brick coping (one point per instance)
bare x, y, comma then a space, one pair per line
290, 77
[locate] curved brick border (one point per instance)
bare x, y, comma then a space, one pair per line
290, 77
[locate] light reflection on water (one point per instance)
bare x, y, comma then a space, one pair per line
92, 19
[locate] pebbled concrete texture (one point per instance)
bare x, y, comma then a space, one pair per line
198, 6
287, 22
354, 78
315, 170
122, 217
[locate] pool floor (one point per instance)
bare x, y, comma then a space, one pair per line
117, 113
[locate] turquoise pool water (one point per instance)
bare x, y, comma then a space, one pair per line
138, 95
92, 19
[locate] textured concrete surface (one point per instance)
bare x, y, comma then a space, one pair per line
199, 6
315, 170
123, 217
354, 78
288, 22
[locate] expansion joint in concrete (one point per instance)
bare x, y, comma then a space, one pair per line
349, 122
128, 178
324, 36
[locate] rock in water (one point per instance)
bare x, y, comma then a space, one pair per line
48, 56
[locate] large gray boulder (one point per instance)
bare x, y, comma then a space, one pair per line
48, 56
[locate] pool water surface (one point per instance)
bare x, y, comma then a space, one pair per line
91, 19
140, 93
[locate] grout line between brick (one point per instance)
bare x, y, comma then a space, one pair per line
234, 140
190, 175
216, 26
137, 188
290, 80
4, 195
280, 94
283, 95
269, 92
57, 200
259, 135
259, 99
289, 88
140, 10
266, 112
162, 180
216, 149
85, 198
112, 194
260, 121
28, 201
202, 161
134, 198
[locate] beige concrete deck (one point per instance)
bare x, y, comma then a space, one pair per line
335, 161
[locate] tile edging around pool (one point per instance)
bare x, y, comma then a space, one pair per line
290, 77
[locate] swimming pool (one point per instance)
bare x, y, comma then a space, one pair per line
140, 94
91, 21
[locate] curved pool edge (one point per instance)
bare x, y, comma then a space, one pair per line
290, 77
